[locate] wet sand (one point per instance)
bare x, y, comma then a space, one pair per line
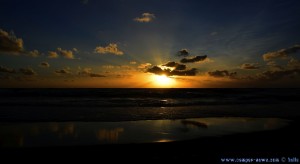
266, 144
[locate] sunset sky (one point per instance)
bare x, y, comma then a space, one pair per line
150, 43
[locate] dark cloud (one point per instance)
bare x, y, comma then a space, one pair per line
62, 71
159, 71
96, 75
223, 73
9, 43
88, 72
281, 54
170, 64
183, 52
168, 72
193, 59
175, 65
27, 71
180, 67
250, 66
7, 70
188, 72
275, 75
45, 64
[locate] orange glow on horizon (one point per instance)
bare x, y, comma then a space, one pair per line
163, 81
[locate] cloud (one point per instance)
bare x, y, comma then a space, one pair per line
250, 66
275, 75
188, 72
88, 72
9, 43
293, 64
112, 48
145, 18
85, 71
168, 72
281, 54
27, 71
183, 52
223, 73
274, 66
7, 70
68, 54
175, 65
44, 64
132, 62
96, 75
62, 71
144, 65
34, 53
52, 54
207, 60
75, 50
193, 59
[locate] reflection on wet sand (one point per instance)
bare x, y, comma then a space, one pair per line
109, 135
12, 141
190, 124
93, 133
194, 123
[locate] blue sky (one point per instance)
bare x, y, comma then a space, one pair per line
231, 33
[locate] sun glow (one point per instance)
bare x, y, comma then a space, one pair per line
163, 81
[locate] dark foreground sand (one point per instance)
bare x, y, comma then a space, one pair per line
281, 144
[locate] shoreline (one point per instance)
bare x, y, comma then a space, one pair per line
119, 114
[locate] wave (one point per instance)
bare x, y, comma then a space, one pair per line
144, 97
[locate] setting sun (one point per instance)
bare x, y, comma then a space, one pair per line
163, 80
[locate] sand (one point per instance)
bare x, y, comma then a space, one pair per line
276, 144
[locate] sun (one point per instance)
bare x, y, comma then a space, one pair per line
163, 81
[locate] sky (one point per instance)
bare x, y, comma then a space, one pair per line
146, 44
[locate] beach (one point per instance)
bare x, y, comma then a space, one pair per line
150, 124
258, 145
